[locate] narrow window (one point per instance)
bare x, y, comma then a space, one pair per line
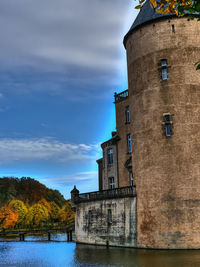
167, 124
168, 130
129, 146
110, 216
127, 113
164, 69
90, 217
167, 118
110, 156
173, 28
111, 183
131, 178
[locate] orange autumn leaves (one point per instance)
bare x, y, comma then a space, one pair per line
178, 7
8, 218
42, 214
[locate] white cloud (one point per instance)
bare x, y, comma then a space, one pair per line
53, 34
75, 178
45, 149
56, 46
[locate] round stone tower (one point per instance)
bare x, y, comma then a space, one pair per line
164, 90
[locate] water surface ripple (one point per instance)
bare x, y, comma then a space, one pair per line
61, 254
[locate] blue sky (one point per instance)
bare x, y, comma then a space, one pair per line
60, 64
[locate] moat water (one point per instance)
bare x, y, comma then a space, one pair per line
58, 253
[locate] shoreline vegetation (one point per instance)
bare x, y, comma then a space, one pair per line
27, 204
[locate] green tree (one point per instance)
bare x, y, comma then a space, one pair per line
7, 192
55, 195
19, 207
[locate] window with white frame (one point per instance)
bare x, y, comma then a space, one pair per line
110, 156
111, 183
127, 114
129, 145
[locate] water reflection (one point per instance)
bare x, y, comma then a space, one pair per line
61, 254
136, 257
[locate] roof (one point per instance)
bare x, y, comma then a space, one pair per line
147, 15
99, 160
111, 141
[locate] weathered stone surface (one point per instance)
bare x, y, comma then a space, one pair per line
109, 171
123, 129
122, 230
166, 170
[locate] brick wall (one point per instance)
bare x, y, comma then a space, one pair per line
167, 170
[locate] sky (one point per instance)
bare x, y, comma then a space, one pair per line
60, 64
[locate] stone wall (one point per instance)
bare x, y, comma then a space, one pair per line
122, 230
167, 170
123, 129
108, 170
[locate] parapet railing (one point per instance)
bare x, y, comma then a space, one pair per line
121, 96
120, 192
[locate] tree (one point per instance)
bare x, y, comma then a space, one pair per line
37, 215
8, 217
45, 203
19, 207
55, 195
66, 213
55, 211
178, 7
29, 190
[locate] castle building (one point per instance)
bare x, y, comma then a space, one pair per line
149, 176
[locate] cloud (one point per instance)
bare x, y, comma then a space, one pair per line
76, 178
45, 149
58, 45
54, 34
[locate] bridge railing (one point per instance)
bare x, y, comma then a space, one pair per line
128, 191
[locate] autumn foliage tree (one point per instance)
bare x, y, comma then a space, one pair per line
178, 7
66, 213
20, 208
25, 203
46, 204
191, 8
8, 217
28, 190
37, 215
55, 212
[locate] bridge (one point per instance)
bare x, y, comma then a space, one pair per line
22, 233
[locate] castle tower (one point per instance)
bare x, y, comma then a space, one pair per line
164, 98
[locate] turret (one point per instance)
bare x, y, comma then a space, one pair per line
74, 197
164, 97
